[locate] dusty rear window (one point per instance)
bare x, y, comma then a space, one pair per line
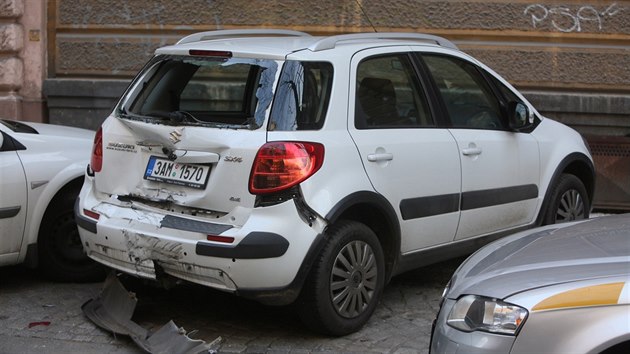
202, 91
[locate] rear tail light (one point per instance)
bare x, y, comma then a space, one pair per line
282, 165
97, 152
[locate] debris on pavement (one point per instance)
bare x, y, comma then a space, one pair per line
40, 323
112, 310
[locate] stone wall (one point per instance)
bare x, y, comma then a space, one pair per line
22, 59
11, 65
561, 53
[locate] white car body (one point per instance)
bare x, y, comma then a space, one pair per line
425, 190
39, 162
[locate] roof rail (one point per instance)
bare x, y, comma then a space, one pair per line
331, 42
195, 37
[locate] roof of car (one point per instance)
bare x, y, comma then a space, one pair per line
277, 44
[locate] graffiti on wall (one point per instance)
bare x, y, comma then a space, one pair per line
565, 19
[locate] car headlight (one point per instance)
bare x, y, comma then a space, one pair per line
477, 313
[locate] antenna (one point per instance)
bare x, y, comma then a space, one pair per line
366, 16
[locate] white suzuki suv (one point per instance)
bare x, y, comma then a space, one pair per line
286, 168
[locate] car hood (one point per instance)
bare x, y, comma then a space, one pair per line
545, 256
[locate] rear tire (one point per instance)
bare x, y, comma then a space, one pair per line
346, 282
59, 248
568, 202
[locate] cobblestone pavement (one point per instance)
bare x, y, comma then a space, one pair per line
39, 316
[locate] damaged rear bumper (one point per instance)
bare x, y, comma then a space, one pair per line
112, 310
263, 253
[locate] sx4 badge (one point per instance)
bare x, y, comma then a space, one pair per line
236, 159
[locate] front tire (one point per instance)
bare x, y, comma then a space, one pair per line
569, 201
346, 282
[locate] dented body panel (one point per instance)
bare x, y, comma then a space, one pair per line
133, 238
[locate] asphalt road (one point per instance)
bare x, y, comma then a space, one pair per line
40, 316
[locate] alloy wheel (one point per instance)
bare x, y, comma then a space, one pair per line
570, 207
353, 279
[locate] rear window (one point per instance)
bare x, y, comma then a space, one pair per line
202, 91
302, 96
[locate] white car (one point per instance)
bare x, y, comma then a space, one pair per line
280, 166
41, 172
556, 289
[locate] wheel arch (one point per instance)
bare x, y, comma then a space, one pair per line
577, 164
617, 348
46, 202
373, 210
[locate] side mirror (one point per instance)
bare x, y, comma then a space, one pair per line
1, 140
519, 116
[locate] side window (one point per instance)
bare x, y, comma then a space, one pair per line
469, 100
302, 96
389, 94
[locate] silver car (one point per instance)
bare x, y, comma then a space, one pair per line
557, 289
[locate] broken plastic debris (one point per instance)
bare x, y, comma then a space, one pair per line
40, 323
112, 310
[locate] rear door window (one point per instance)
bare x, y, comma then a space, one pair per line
389, 94
302, 96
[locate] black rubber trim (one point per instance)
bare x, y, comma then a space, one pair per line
415, 208
288, 294
498, 196
256, 245
9, 143
364, 197
428, 206
179, 223
82, 221
9, 212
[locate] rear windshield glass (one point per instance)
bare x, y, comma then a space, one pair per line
187, 90
302, 96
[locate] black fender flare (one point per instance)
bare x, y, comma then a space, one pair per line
377, 202
562, 168
288, 294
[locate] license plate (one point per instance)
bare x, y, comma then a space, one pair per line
181, 174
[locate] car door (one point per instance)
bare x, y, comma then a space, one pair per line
500, 168
12, 201
408, 159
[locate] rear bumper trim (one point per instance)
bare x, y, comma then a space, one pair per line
255, 245
82, 221
175, 222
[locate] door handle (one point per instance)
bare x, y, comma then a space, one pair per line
471, 151
380, 157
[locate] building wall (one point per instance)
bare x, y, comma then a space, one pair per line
22, 59
571, 58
